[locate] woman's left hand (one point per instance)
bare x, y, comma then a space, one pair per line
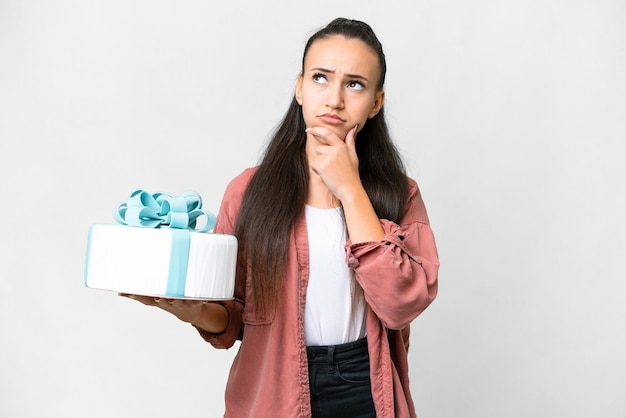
209, 316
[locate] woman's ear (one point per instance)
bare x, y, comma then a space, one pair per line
379, 99
299, 90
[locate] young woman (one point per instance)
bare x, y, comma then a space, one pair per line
336, 253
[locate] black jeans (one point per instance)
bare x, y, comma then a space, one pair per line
339, 381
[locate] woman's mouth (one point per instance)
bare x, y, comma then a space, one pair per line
331, 119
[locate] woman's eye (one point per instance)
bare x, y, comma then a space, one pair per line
355, 85
319, 78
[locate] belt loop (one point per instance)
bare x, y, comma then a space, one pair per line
331, 359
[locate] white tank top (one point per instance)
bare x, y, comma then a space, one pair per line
328, 318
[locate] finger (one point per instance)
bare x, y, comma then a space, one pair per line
164, 303
317, 135
321, 149
324, 136
351, 137
146, 300
181, 304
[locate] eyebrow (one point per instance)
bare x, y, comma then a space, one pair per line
325, 70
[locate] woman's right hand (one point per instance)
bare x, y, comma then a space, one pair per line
208, 316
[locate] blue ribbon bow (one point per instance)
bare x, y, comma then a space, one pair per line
179, 213
161, 209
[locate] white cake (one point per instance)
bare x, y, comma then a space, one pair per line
153, 262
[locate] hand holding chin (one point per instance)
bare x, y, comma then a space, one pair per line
334, 159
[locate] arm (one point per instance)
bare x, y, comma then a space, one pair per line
336, 163
396, 265
398, 274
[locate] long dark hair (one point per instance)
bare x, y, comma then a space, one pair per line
276, 194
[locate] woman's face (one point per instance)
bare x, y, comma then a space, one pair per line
338, 88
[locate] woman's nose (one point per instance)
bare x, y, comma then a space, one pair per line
334, 99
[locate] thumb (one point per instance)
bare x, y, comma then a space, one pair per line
351, 137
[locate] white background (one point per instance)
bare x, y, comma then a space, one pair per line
512, 118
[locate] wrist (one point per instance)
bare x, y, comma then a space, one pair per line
354, 196
213, 318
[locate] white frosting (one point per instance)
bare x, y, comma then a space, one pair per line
136, 260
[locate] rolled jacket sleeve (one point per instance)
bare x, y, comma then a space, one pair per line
399, 273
